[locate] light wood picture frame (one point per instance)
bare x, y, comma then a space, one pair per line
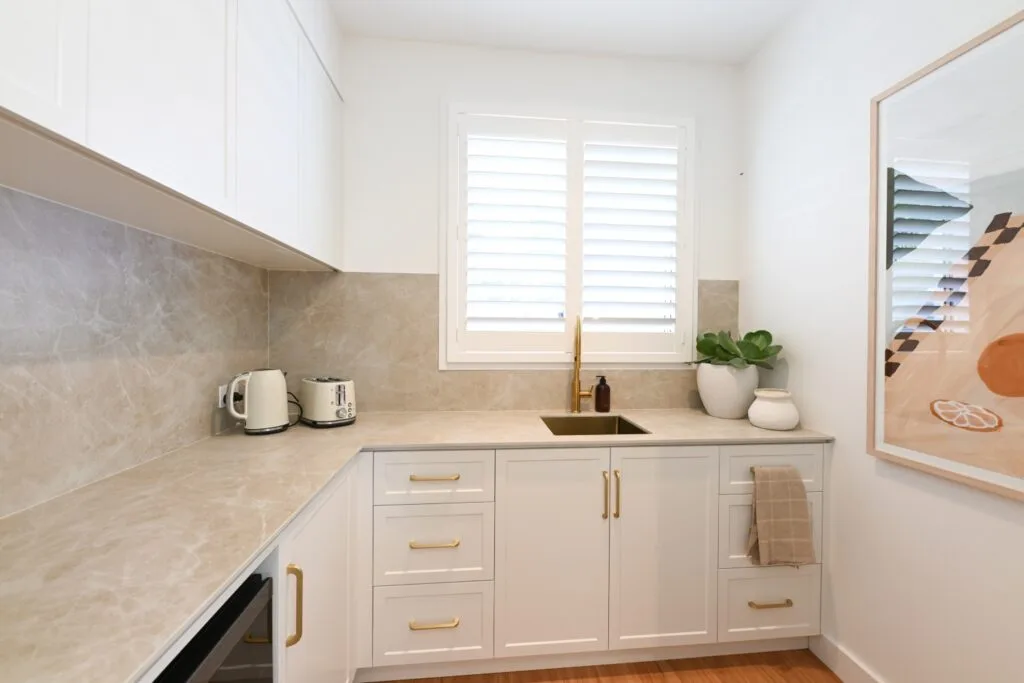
946, 292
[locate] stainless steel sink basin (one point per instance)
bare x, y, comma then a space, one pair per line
577, 425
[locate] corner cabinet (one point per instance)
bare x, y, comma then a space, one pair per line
314, 602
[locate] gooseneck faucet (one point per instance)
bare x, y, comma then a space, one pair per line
577, 359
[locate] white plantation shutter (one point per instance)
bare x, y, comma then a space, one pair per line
630, 234
559, 217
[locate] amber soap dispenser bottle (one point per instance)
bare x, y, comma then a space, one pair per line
602, 395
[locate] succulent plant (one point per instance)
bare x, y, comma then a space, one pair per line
756, 348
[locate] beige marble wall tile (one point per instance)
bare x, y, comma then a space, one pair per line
718, 303
381, 330
112, 344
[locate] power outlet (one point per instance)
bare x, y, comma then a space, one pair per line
222, 396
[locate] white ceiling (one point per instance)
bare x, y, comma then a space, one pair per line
726, 31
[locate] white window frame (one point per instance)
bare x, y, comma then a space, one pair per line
452, 356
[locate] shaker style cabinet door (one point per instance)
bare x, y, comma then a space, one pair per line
551, 551
315, 605
664, 539
158, 91
43, 63
319, 161
267, 144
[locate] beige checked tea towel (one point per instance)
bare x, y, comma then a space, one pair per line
780, 528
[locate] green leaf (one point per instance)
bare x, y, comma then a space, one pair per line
707, 345
772, 351
763, 364
723, 355
750, 350
762, 338
738, 363
727, 343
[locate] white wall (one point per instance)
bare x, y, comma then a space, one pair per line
925, 581
395, 93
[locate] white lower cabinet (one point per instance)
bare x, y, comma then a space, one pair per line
433, 543
769, 602
551, 551
734, 516
314, 599
444, 622
663, 546
582, 550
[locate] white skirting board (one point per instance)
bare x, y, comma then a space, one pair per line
845, 665
489, 666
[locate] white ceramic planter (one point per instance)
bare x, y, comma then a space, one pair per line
774, 409
726, 391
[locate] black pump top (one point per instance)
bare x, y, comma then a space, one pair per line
603, 380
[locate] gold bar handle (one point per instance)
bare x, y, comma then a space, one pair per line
296, 571
607, 493
454, 623
416, 545
443, 477
770, 605
618, 494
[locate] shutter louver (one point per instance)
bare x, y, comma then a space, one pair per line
931, 232
516, 198
630, 210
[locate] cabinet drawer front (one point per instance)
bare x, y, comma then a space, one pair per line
734, 513
433, 543
736, 461
445, 622
404, 478
769, 602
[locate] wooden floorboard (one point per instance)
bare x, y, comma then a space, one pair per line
798, 666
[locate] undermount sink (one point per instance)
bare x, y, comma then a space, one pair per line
580, 425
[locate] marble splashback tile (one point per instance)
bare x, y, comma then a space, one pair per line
718, 306
112, 343
382, 331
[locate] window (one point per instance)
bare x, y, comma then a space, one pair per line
553, 218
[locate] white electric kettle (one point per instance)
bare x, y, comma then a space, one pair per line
264, 401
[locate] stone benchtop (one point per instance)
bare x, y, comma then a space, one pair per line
95, 585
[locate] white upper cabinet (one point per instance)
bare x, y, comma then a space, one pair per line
319, 24
663, 546
551, 551
268, 119
158, 92
43, 58
320, 112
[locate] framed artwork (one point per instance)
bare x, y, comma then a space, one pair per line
946, 371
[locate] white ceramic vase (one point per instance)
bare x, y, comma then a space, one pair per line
726, 391
774, 409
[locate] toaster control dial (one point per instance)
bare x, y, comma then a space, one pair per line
342, 412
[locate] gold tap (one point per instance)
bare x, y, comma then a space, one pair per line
577, 359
